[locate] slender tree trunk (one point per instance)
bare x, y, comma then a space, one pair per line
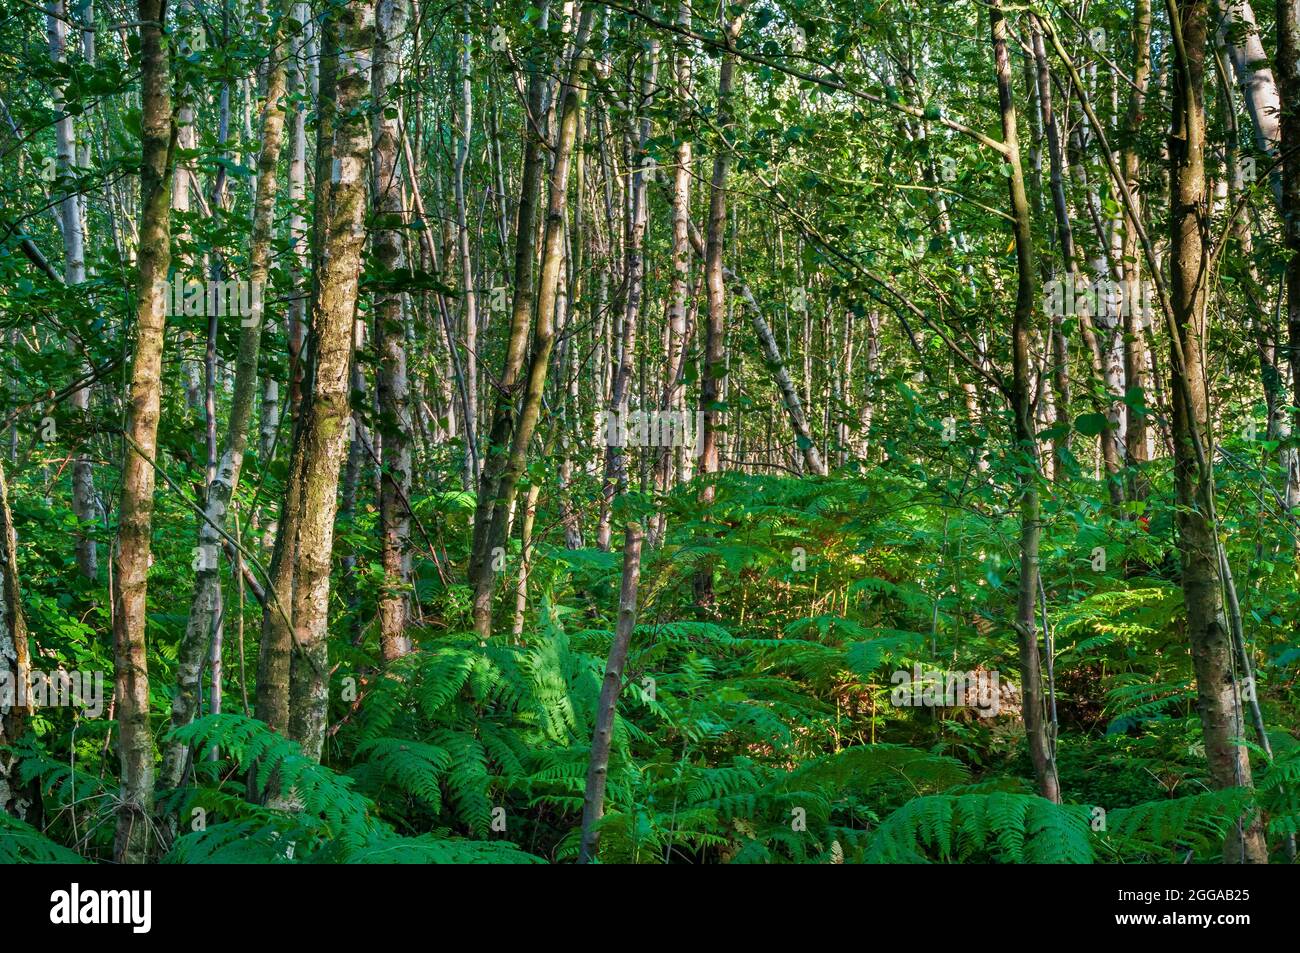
1070, 273
296, 316
71, 215
1218, 693
525, 558
133, 842
510, 436
16, 799
715, 356
634, 284
1042, 746
870, 385
593, 804
714, 280
807, 446
1135, 314
790, 400
1240, 36
669, 460
222, 483
571, 304
497, 450
469, 299
390, 338
1288, 71
187, 138
454, 384
1264, 319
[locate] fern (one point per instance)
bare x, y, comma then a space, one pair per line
1158, 829
414, 767
431, 849
1000, 827
20, 843
328, 807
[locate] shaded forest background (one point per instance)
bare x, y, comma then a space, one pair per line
769, 431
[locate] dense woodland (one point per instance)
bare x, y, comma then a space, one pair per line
777, 431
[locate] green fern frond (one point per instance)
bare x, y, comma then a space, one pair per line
20, 843
999, 827
1160, 828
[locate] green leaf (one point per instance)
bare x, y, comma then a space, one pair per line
1090, 425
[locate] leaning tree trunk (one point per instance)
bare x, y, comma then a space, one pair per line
1041, 743
481, 574
775, 361
502, 471
133, 840
1218, 692
221, 489
776, 365
593, 804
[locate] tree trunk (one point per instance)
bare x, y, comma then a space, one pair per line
221, 487
714, 280
133, 842
1218, 694
634, 285
1135, 316
187, 138
321, 441
71, 216
497, 450
669, 460
1288, 70
274, 665
16, 799
790, 400
297, 317
1042, 746
1065, 236
715, 342
469, 298
510, 436
392, 387
1240, 37
593, 803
